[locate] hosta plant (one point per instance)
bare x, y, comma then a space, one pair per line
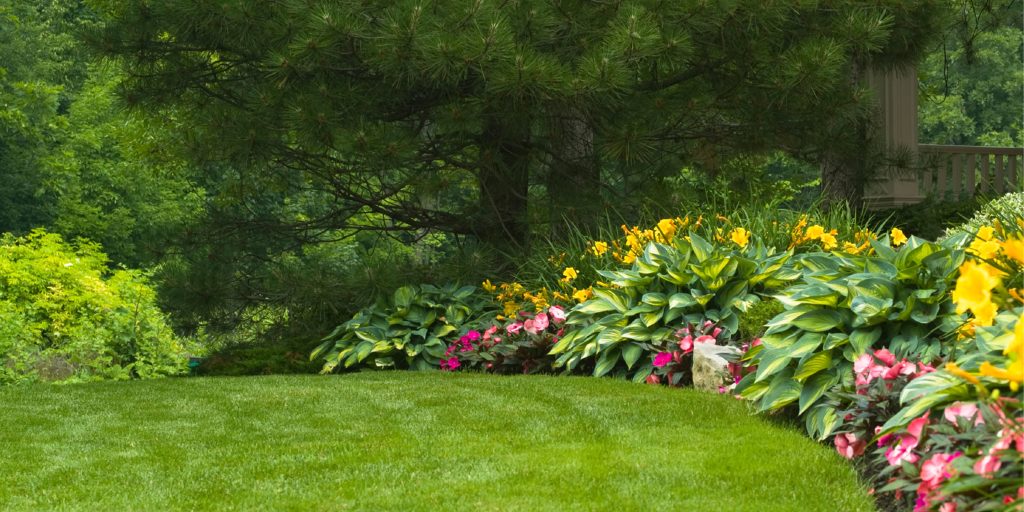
668, 286
846, 305
411, 329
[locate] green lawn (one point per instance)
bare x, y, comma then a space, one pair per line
405, 441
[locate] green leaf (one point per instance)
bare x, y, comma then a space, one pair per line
813, 364
771, 361
807, 343
819, 320
606, 361
863, 339
814, 388
782, 390
658, 300
594, 306
631, 352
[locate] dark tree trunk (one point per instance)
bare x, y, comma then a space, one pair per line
574, 177
504, 178
842, 181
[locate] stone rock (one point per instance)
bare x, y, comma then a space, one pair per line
711, 365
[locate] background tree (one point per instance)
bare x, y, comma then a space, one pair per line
386, 104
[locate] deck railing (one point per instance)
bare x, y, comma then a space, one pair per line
953, 172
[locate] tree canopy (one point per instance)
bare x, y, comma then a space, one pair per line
450, 115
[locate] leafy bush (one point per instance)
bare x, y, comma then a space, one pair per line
408, 330
521, 344
1004, 208
64, 316
689, 282
846, 305
752, 321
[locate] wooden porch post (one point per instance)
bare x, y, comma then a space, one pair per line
896, 93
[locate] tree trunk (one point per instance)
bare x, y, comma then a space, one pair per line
841, 181
574, 176
504, 178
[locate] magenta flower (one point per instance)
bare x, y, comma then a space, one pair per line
454, 363
472, 336
662, 359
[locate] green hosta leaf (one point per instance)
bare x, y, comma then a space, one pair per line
782, 390
813, 364
819, 320
403, 296
631, 352
814, 293
635, 332
650, 319
929, 384
864, 338
822, 421
617, 299
594, 306
835, 339
657, 300
771, 362
732, 292
681, 301
914, 410
702, 249
807, 343
606, 361
814, 388
749, 389
782, 340
609, 336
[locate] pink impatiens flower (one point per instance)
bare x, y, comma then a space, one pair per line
653, 379
705, 339
935, 470
686, 344
514, 327
849, 445
964, 410
540, 322
557, 314
885, 356
662, 359
904, 448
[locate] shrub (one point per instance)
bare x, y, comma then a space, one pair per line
407, 330
520, 344
1004, 208
64, 316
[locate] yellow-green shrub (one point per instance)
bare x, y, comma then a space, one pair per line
64, 316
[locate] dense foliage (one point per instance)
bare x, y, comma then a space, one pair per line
65, 317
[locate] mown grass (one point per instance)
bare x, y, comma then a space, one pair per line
405, 441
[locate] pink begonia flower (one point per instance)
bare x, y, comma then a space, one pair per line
705, 339
885, 356
490, 332
541, 321
514, 327
967, 411
557, 314
653, 379
849, 446
686, 344
904, 449
662, 359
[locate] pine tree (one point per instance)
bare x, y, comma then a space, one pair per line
443, 114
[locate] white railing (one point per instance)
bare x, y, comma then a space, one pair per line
963, 171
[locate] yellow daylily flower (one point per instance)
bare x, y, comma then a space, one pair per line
599, 248
974, 287
581, 295
814, 232
740, 236
956, 370
897, 236
984, 249
1015, 373
1014, 249
488, 287
569, 274
985, 233
828, 241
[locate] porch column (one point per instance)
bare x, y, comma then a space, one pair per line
896, 93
